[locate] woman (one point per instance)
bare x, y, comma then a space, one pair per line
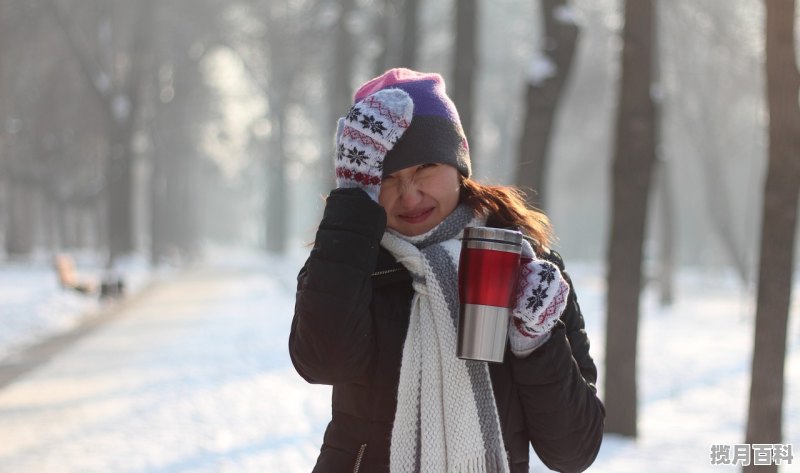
377, 303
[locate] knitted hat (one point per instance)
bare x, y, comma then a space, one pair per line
435, 134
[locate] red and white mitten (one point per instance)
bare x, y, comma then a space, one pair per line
369, 131
541, 297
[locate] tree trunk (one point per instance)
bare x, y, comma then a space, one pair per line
86, 230
408, 54
383, 29
777, 231
20, 221
118, 193
119, 178
120, 107
66, 218
188, 229
666, 255
632, 169
465, 63
6, 44
52, 211
547, 78
277, 198
158, 210
167, 167
666, 214
172, 225
340, 91
723, 216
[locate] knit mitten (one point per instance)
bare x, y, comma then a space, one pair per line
369, 131
541, 297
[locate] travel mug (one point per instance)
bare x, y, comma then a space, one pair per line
487, 281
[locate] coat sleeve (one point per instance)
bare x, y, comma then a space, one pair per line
331, 336
557, 389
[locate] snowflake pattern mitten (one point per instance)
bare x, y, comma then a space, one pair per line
369, 131
541, 298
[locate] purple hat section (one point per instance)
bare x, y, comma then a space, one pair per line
435, 134
426, 89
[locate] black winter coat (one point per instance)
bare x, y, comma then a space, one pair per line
351, 317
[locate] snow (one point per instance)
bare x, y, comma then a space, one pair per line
566, 14
195, 377
33, 306
103, 82
121, 106
540, 69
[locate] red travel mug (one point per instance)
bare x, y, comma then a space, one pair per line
487, 281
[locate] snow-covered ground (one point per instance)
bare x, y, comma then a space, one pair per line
33, 306
196, 378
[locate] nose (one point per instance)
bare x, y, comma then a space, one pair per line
410, 194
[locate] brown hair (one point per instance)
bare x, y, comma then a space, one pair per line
506, 207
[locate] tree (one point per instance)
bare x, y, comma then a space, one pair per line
276, 55
709, 62
117, 88
408, 52
16, 174
779, 221
385, 17
668, 222
465, 63
6, 30
664, 213
635, 156
547, 77
184, 110
340, 85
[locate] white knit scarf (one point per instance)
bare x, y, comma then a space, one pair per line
446, 418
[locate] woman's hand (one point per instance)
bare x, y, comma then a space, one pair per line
541, 297
369, 131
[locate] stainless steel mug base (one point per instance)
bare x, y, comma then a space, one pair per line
483, 331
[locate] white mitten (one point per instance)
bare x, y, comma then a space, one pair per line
541, 297
369, 131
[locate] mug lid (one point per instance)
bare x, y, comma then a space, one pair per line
491, 234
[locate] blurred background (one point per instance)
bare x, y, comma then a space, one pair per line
154, 142
158, 127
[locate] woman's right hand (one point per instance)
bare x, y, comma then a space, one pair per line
369, 131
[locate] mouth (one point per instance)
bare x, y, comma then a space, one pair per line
416, 216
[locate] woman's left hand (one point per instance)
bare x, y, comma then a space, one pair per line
541, 297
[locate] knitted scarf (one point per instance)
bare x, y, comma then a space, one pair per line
446, 418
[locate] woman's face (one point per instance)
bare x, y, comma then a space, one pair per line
418, 198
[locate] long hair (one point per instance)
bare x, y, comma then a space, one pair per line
507, 207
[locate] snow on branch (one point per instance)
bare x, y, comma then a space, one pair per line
540, 69
566, 14
121, 107
102, 83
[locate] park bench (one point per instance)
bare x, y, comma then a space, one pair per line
69, 278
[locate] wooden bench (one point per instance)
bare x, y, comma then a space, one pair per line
69, 278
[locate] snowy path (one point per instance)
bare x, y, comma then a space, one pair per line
195, 377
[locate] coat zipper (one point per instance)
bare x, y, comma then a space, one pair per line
359, 457
386, 271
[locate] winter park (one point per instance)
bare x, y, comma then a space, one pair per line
167, 168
